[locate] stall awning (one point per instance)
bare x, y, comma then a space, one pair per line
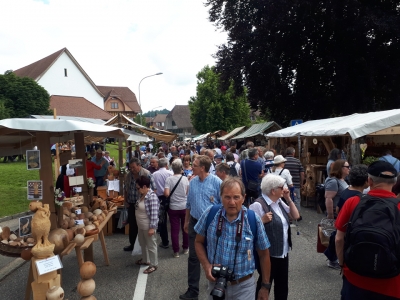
19, 135
257, 129
356, 125
201, 137
157, 134
232, 133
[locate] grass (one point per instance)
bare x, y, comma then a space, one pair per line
13, 190
13, 178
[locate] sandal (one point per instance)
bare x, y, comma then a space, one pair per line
140, 262
150, 269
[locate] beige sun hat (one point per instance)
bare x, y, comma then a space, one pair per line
279, 159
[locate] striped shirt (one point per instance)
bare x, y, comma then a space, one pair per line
159, 178
202, 194
295, 168
225, 250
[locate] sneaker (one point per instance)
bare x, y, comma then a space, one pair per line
185, 251
334, 265
176, 254
189, 295
163, 246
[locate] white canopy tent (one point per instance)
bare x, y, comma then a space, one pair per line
355, 125
19, 135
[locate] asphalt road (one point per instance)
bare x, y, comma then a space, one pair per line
309, 276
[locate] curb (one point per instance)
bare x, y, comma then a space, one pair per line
16, 216
11, 267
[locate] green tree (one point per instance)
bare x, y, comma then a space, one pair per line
213, 109
311, 59
21, 97
140, 119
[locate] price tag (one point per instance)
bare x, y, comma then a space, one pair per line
78, 211
49, 264
79, 222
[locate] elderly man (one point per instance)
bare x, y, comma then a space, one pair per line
132, 195
203, 192
171, 149
368, 260
102, 172
145, 161
153, 164
210, 154
160, 177
226, 231
222, 171
297, 171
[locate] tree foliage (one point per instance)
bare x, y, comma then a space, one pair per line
21, 97
153, 113
213, 109
311, 59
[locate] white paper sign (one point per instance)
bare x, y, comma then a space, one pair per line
75, 180
78, 211
49, 264
77, 189
79, 222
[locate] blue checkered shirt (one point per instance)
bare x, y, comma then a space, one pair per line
202, 194
227, 244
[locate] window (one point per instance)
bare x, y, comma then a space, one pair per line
173, 123
65, 73
114, 105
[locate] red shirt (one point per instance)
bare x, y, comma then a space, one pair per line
389, 287
90, 166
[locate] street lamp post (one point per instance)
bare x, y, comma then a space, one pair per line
140, 104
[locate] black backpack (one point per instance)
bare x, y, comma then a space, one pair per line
232, 170
371, 247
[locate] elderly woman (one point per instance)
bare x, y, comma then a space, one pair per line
269, 161
147, 220
275, 215
176, 187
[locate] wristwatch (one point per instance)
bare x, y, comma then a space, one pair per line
266, 285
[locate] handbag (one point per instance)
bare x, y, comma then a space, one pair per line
123, 218
170, 194
251, 185
137, 249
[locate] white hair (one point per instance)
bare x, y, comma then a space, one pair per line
269, 155
177, 166
270, 182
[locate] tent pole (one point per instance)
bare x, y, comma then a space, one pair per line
80, 153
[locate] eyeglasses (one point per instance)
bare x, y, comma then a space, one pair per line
348, 167
280, 187
195, 166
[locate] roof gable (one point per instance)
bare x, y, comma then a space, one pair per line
160, 118
123, 93
77, 107
181, 116
37, 69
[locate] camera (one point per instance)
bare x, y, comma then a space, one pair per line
223, 274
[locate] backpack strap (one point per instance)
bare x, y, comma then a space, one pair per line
281, 171
210, 217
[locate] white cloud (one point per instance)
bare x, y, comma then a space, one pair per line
116, 42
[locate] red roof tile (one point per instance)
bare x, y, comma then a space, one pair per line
123, 93
36, 69
77, 107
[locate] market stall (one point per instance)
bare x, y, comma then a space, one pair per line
35, 137
358, 136
231, 134
257, 133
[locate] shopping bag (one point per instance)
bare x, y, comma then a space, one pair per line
137, 249
123, 218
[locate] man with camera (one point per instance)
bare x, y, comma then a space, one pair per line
227, 239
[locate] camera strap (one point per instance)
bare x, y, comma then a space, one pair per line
238, 237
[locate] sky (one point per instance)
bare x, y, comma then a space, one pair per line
116, 42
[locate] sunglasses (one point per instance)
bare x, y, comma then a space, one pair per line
348, 167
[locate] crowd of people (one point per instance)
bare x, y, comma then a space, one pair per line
234, 209
202, 188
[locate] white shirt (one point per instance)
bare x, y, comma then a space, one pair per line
276, 212
212, 169
285, 175
69, 172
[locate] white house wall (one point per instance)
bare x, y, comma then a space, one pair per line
74, 84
